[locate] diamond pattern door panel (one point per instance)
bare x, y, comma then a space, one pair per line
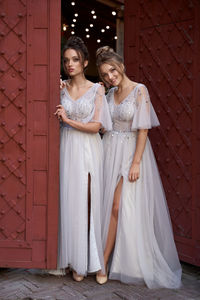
28, 95
161, 50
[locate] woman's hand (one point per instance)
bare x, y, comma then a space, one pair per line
134, 172
62, 84
60, 113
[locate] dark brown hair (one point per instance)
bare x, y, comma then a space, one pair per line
77, 44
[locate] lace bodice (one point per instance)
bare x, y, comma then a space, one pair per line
134, 112
90, 107
81, 108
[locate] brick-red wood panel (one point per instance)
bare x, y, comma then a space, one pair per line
162, 45
29, 140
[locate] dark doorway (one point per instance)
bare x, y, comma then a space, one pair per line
96, 22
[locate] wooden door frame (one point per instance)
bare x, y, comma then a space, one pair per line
54, 140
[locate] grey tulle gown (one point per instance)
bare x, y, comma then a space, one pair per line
144, 250
81, 153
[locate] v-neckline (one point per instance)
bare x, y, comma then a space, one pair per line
75, 100
125, 97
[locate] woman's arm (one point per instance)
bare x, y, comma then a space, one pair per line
134, 172
90, 127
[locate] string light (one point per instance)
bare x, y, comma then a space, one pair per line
64, 27
94, 16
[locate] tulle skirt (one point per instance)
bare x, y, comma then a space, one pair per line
80, 245
144, 249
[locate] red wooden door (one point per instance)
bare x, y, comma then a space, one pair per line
29, 142
162, 45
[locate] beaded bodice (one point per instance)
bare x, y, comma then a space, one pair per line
79, 109
122, 114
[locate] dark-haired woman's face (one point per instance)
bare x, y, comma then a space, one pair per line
110, 74
72, 62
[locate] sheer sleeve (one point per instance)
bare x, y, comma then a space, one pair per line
145, 116
101, 112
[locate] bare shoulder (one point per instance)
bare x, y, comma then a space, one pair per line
89, 84
134, 83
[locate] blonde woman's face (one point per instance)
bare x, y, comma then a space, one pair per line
111, 75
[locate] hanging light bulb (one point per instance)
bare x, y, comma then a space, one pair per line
64, 27
76, 15
98, 41
73, 25
94, 17
86, 29
115, 37
73, 3
87, 36
91, 25
72, 32
107, 27
114, 13
102, 30
74, 20
92, 12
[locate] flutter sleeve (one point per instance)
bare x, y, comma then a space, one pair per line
145, 116
101, 112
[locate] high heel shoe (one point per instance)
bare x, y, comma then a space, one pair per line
77, 277
100, 278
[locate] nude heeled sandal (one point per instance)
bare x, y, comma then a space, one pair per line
101, 279
77, 277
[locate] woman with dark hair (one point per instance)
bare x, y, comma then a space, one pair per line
82, 112
137, 235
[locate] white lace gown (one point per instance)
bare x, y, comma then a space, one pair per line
144, 250
81, 154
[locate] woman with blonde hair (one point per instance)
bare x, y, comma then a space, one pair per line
136, 229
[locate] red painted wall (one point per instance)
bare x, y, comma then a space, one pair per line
162, 45
29, 141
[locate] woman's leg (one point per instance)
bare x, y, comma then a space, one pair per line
112, 231
113, 223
